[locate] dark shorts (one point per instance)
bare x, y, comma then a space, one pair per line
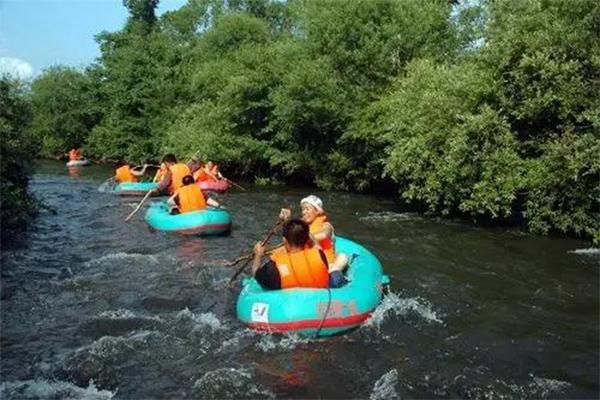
337, 279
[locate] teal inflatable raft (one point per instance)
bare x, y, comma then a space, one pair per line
134, 188
211, 221
317, 312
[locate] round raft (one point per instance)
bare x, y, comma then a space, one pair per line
79, 163
214, 186
211, 221
322, 312
134, 188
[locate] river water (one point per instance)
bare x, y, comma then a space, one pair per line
93, 307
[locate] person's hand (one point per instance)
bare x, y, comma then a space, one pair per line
285, 214
259, 249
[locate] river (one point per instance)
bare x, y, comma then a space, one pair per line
93, 307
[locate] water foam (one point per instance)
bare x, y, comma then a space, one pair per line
287, 341
388, 216
393, 304
588, 251
230, 383
209, 320
135, 258
43, 389
540, 387
385, 387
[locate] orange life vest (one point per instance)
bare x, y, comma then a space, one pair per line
178, 171
200, 175
190, 198
123, 174
74, 155
160, 174
209, 174
326, 244
304, 268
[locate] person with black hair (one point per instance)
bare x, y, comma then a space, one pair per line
298, 263
173, 179
189, 198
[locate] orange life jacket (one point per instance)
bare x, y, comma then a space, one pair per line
74, 155
160, 174
190, 198
326, 244
210, 176
200, 175
178, 171
123, 174
304, 268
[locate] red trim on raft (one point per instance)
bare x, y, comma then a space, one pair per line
131, 192
349, 322
191, 231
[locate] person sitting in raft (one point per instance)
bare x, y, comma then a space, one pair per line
160, 173
75, 154
127, 173
200, 174
323, 233
298, 263
189, 198
173, 179
212, 171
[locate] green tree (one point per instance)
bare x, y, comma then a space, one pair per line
63, 110
17, 150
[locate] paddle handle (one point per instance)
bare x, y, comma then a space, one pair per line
266, 239
139, 205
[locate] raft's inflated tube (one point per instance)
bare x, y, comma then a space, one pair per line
311, 312
214, 186
79, 163
210, 221
134, 188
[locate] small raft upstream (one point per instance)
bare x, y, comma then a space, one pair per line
79, 163
210, 221
134, 188
214, 186
317, 312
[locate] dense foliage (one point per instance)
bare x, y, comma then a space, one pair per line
485, 109
17, 150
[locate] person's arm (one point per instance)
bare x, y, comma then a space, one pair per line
141, 172
285, 214
212, 202
164, 184
173, 200
325, 233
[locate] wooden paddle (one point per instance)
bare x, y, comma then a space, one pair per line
228, 180
233, 262
139, 205
265, 240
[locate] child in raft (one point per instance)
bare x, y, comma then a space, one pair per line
322, 232
189, 198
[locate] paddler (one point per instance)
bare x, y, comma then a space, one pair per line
322, 232
173, 179
127, 173
189, 198
298, 263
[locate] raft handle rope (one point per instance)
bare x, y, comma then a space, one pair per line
354, 255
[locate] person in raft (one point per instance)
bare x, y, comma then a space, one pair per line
160, 173
173, 179
127, 173
321, 232
75, 154
189, 198
298, 263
